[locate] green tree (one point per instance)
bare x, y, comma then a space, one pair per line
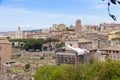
71, 26
41, 58
27, 66
62, 44
110, 70
44, 48
32, 44
98, 70
44, 72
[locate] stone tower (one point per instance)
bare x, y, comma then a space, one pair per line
19, 33
78, 26
5, 50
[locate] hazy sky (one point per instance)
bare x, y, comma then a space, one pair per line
39, 14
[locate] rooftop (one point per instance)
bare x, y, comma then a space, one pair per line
116, 48
82, 40
61, 53
4, 41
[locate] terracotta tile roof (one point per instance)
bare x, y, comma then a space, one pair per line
116, 48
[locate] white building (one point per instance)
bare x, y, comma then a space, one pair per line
19, 33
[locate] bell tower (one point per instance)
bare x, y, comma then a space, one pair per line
19, 33
78, 26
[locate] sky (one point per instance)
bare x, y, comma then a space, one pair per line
41, 14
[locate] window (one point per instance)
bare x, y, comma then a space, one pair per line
118, 57
113, 51
70, 44
109, 51
106, 51
117, 52
114, 57
0, 47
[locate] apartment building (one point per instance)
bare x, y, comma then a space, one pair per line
112, 51
69, 56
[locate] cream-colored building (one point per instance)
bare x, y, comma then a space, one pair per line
112, 51
105, 27
71, 40
60, 27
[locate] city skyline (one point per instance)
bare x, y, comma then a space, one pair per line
41, 14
